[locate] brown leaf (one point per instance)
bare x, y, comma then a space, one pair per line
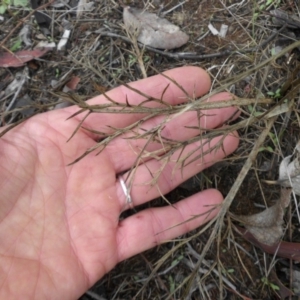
152, 30
73, 82
281, 249
284, 292
266, 226
18, 59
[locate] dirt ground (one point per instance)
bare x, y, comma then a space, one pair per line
100, 55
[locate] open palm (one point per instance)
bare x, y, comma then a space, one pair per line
59, 225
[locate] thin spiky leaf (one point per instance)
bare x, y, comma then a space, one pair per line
78, 126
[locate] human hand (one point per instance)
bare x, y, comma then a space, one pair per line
59, 225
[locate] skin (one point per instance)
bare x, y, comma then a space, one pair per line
59, 225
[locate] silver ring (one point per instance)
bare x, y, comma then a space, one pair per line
126, 192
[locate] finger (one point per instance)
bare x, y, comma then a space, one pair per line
194, 80
144, 186
124, 150
154, 226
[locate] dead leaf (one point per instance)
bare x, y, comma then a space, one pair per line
284, 292
18, 59
21, 78
266, 226
25, 35
289, 171
73, 82
71, 85
152, 30
281, 249
84, 5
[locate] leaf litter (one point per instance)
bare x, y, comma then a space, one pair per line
266, 226
152, 30
18, 59
289, 171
